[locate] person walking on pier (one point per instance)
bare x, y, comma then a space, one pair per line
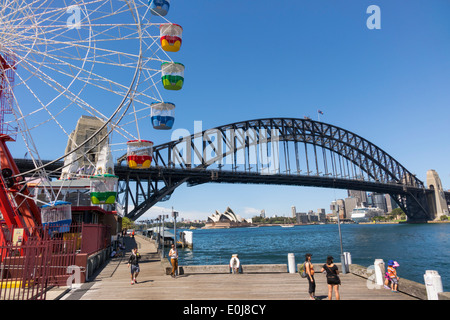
133, 262
333, 280
309, 269
173, 253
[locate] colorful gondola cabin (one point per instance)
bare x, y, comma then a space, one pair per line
139, 154
163, 115
172, 75
103, 188
171, 36
159, 7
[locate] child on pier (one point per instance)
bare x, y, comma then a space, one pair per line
392, 271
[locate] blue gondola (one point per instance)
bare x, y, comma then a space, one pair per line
162, 115
159, 7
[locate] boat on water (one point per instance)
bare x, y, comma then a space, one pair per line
286, 225
363, 214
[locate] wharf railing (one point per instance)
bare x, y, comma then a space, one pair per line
46, 259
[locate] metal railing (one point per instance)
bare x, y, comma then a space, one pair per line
46, 258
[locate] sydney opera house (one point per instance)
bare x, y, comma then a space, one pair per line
228, 219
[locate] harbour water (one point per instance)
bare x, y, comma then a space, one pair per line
416, 247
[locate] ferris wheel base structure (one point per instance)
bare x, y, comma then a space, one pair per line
18, 208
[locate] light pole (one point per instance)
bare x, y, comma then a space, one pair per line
174, 215
163, 227
159, 230
344, 268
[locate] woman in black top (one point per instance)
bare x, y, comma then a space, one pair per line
333, 280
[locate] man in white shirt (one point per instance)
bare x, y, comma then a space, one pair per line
234, 263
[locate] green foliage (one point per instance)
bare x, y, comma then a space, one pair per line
397, 212
127, 223
274, 220
184, 225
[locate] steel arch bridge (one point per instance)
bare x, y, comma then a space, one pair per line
285, 151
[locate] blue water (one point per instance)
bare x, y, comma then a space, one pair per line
416, 247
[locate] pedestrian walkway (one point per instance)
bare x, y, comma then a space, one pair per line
113, 282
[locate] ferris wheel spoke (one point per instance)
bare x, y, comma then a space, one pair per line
67, 69
20, 116
85, 104
73, 98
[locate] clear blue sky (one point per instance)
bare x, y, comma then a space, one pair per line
259, 58
253, 59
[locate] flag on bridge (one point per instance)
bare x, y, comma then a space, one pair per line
319, 111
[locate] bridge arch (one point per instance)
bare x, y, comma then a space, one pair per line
278, 151
244, 135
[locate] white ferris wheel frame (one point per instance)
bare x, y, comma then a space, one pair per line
47, 30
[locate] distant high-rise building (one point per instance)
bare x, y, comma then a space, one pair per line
312, 217
360, 195
321, 214
342, 212
338, 207
301, 217
350, 204
370, 199
379, 201
293, 210
334, 207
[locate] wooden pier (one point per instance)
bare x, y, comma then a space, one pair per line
113, 282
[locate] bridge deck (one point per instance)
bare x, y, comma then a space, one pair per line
113, 283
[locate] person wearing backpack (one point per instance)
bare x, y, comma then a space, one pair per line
133, 262
309, 271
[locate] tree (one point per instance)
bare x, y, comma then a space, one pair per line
127, 223
397, 212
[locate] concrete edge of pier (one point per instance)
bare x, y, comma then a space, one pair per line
406, 286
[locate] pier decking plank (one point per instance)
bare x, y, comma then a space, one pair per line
114, 283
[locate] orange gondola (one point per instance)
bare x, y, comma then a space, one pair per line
171, 36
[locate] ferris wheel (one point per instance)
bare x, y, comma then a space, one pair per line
103, 61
